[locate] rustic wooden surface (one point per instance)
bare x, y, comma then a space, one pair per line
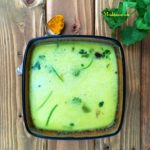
21, 20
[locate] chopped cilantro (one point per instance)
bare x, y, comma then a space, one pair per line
36, 66
76, 100
50, 114
71, 124
77, 72
91, 50
106, 53
107, 65
42, 56
46, 100
88, 64
59, 76
98, 55
101, 104
83, 53
39, 85
86, 109
82, 65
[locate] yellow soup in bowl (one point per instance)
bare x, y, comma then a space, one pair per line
73, 86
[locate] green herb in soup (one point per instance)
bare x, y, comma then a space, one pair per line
73, 86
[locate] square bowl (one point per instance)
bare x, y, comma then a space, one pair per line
87, 127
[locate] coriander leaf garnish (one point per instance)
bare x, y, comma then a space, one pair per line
50, 114
73, 48
83, 53
86, 109
76, 100
98, 55
91, 50
72, 124
44, 102
101, 104
36, 66
88, 64
78, 71
106, 53
107, 66
42, 56
39, 85
54, 70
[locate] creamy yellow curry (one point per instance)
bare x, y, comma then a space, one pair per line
73, 86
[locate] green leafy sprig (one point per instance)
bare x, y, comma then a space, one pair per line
116, 17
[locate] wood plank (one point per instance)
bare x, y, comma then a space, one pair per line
79, 15
71, 145
79, 19
145, 101
18, 24
129, 137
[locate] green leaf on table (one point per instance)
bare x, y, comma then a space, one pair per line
147, 2
141, 8
114, 17
130, 35
127, 5
140, 24
113, 21
147, 15
139, 29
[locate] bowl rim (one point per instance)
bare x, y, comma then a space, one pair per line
73, 36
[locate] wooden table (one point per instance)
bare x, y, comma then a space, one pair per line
21, 20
